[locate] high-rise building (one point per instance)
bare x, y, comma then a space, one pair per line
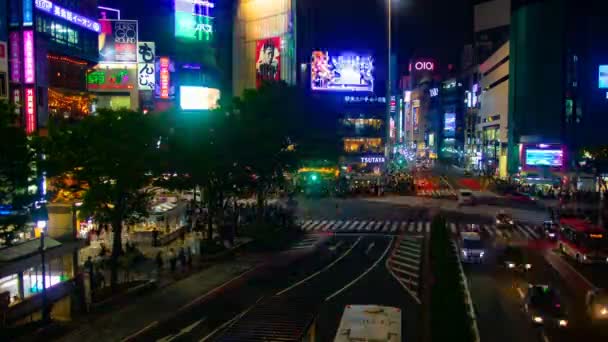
3, 50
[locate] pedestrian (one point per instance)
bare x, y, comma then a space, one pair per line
159, 261
182, 257
172, 259
189, 257
155, 237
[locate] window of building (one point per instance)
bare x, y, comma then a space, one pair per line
363, 145
59, 32
3, 85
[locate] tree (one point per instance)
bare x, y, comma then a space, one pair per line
17, 175
111, 155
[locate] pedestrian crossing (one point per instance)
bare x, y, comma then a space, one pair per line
437, 193
405, 262
519, 231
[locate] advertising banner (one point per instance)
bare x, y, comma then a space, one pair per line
449, 127
111, 79
194, 19
342, 72
146, 73
603, 77
268, 64
118, 41
14, 41
29, 62
30, 110
164, 89
415, 119
28, 12
545, 157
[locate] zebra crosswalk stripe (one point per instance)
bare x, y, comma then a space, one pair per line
387, 225
419, 227
308, 224
394, 227
428, 227
338, 225
523, 231
531, 231
363, 224
412, 227
488, 229
377, 226
453, 228
349, 225
328, 226
403, 225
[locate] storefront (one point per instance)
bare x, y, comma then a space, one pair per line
114, 86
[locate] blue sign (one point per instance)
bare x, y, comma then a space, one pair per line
603, 77
15, 15
60, 12
449, 127
28, 13
3, 19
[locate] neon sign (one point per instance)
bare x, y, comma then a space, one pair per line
164, 77
74, 18
193, 19
372, 160
420, 65
29, 65
111, 79
14, 56
30, 110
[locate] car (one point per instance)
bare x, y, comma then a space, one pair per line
550, 230
465, 197
504, 220
596, 303
516, 259
543, 306
471, 247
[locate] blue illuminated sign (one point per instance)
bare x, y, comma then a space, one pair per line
28, 13
603, 77
60, 12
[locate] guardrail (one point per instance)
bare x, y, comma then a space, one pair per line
468, 300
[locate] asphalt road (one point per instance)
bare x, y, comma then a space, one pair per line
497, 294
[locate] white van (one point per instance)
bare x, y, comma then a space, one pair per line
465, 197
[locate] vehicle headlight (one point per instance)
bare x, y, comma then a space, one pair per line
538, 319
464, 253
497, 221
510, 265
563, 323
584, 257
553, 235
604, 311
481, 254
510, 221
528, 266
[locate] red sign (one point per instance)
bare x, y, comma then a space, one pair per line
268, 64
30, 110
164, 77
2, 50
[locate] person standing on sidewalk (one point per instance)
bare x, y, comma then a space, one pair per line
159, 261
182, 257
172, 259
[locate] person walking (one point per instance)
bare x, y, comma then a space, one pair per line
172, 259
189, 257
159, 261
182, 257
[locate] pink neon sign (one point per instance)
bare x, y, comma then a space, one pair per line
164, 78
15, 60
422, 65
30, 110
29, 66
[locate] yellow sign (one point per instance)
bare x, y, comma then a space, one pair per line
596, 236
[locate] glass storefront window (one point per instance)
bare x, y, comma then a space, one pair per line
10, 284
360, 145
114, 102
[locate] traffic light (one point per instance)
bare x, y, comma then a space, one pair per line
314, 177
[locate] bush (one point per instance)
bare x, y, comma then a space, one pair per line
448, 308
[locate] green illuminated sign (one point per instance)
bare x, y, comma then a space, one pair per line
111, 79
193, 20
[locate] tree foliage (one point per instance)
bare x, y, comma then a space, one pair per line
17, 174
110, 156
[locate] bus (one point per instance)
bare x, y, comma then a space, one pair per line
369, 323
583, 241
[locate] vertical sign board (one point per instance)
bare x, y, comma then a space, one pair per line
28, 12
268, 63
14, 41
29, 65
164, 77
30, 110
146, 57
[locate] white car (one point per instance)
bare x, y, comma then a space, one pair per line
471, 247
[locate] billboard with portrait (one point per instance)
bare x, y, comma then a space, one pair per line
449, 127
118, 41
545, 157
341, 72
268, 60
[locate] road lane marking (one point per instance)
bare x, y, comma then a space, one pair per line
387, 225
388, 247
410, 248
453, 228
521, 293
545, 338
402, 252
141, 331
184, 331
320, 271
227, 323
532, 231
420, 227
409, 273
369, 248
402, 264
408, 259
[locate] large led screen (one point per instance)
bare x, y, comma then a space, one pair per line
537, 157
341, 72
603, 77
198, 98
449, 128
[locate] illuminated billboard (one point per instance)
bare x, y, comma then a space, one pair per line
118, 41
198, 98
341, 72
545, 157
268, 62
449, 127
194, 20
603, 77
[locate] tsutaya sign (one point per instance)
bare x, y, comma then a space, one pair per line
372, 160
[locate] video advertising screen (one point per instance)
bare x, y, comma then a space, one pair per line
198, 98
449, 128
341, 72
537, 157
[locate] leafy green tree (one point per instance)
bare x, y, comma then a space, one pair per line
112, 156
17, 174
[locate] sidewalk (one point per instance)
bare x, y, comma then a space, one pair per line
144, 311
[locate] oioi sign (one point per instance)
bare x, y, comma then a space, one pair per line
424, 65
